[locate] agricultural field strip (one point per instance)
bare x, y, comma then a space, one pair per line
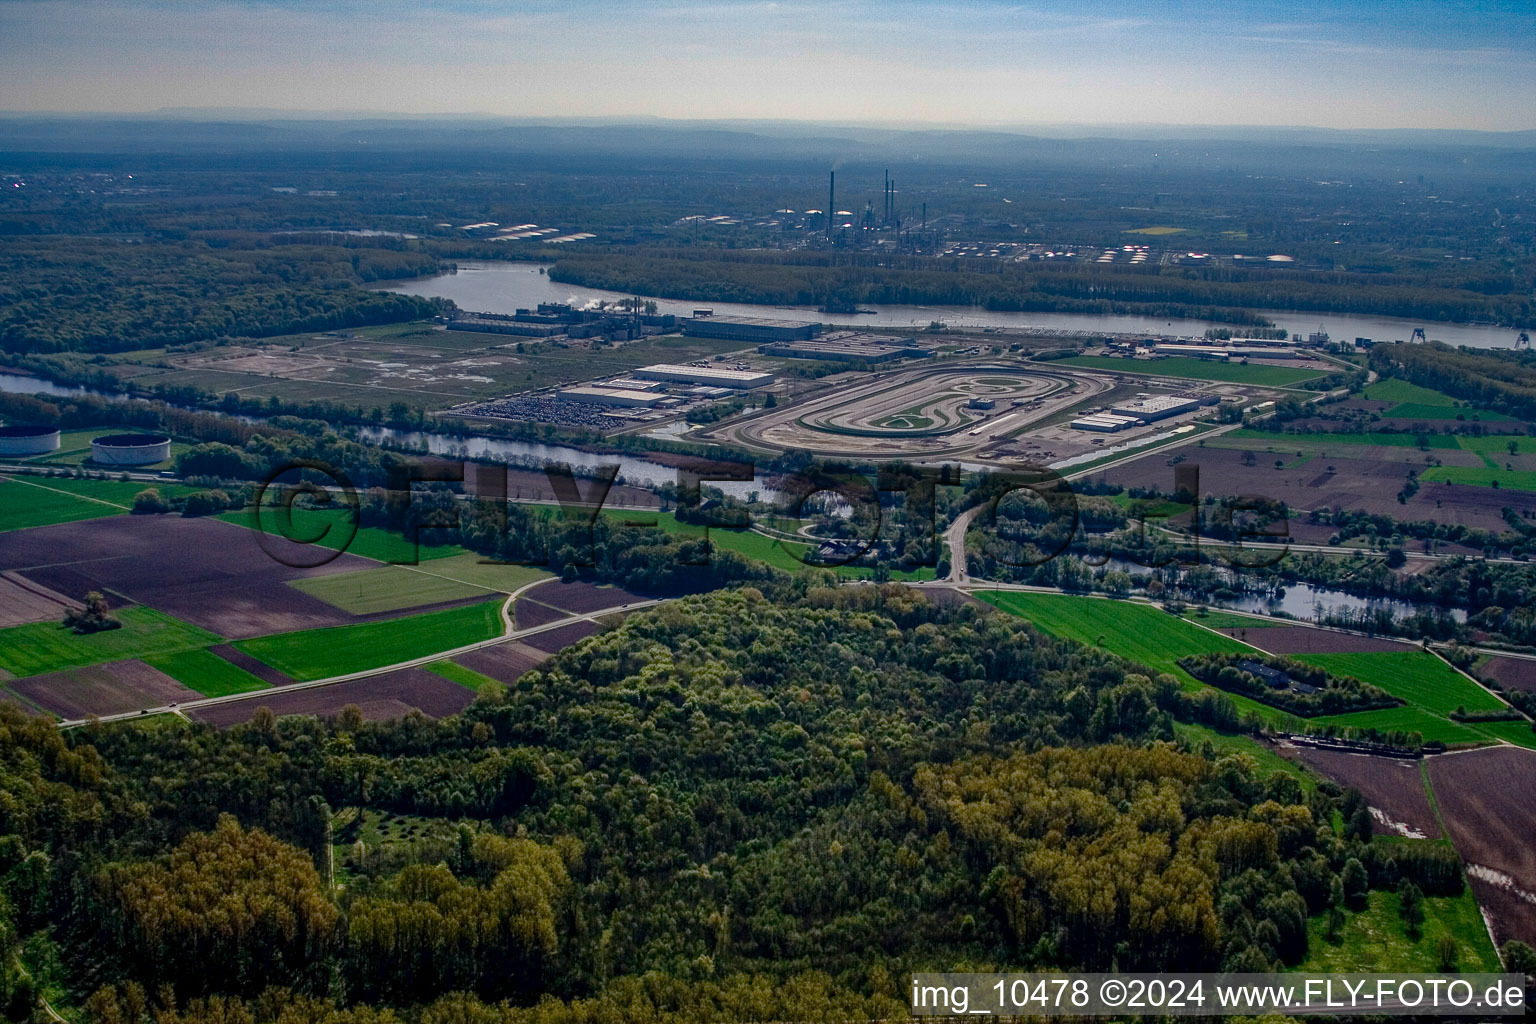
419, 662
1029, 589
70, 494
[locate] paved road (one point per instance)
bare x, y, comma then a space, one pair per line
510, 637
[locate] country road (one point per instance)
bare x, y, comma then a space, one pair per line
511, 636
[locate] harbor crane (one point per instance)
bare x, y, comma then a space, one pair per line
1523, 340
1418, 335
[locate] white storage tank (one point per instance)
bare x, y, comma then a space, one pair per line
18, 439
130, 449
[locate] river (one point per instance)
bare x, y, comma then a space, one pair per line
507, 287
1299, 600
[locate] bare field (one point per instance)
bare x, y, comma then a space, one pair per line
256, 667
112, 688
1391, 785
1510, 673
1307, 640
579, 598
564, 636
1486, 799
504, 662
1353, 483
22, 601
528, 613
202, 571
379, 697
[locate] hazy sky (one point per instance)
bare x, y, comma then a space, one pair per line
1391, 63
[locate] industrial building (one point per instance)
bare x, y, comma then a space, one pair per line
849, 347
627, 397
130, 449
1103, 423
488, 325
1228, 352
750, 328
17, 439
709, 375
1156, 407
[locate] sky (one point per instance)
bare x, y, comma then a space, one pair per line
1343, 64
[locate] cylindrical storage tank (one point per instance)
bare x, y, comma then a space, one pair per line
23, 440
130, 449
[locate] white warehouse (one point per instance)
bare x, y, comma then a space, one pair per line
708, 375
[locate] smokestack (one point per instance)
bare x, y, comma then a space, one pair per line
831, 201
885, 216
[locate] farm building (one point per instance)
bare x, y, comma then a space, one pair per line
750, 328
709, 375
18, 439
130, 449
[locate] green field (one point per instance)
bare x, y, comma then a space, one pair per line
1481, 476
24, 505
1375, 940
329, 528
466, 677
1143, 633
1323, 441
1216, 618
1200, 369
48, 646
1419, 411
1517, 732
1497, 445
1161, 229
207, 673
388, 589
1265, 761
1431, 726
338, 650
1416, 676
1399, 391
1413, 402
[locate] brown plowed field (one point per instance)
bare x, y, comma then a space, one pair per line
379, 697
580, 598
561, 637
22, 601
206, 572
504, 662
260, 669
1306, 640
530, 613
1364, 478
1488, 800
1391, 785
1511, 673
110, 689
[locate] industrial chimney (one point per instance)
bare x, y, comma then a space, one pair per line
831, 201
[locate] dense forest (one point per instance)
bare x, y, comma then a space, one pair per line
767, 803
1502, 381
111, 295
845, 280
